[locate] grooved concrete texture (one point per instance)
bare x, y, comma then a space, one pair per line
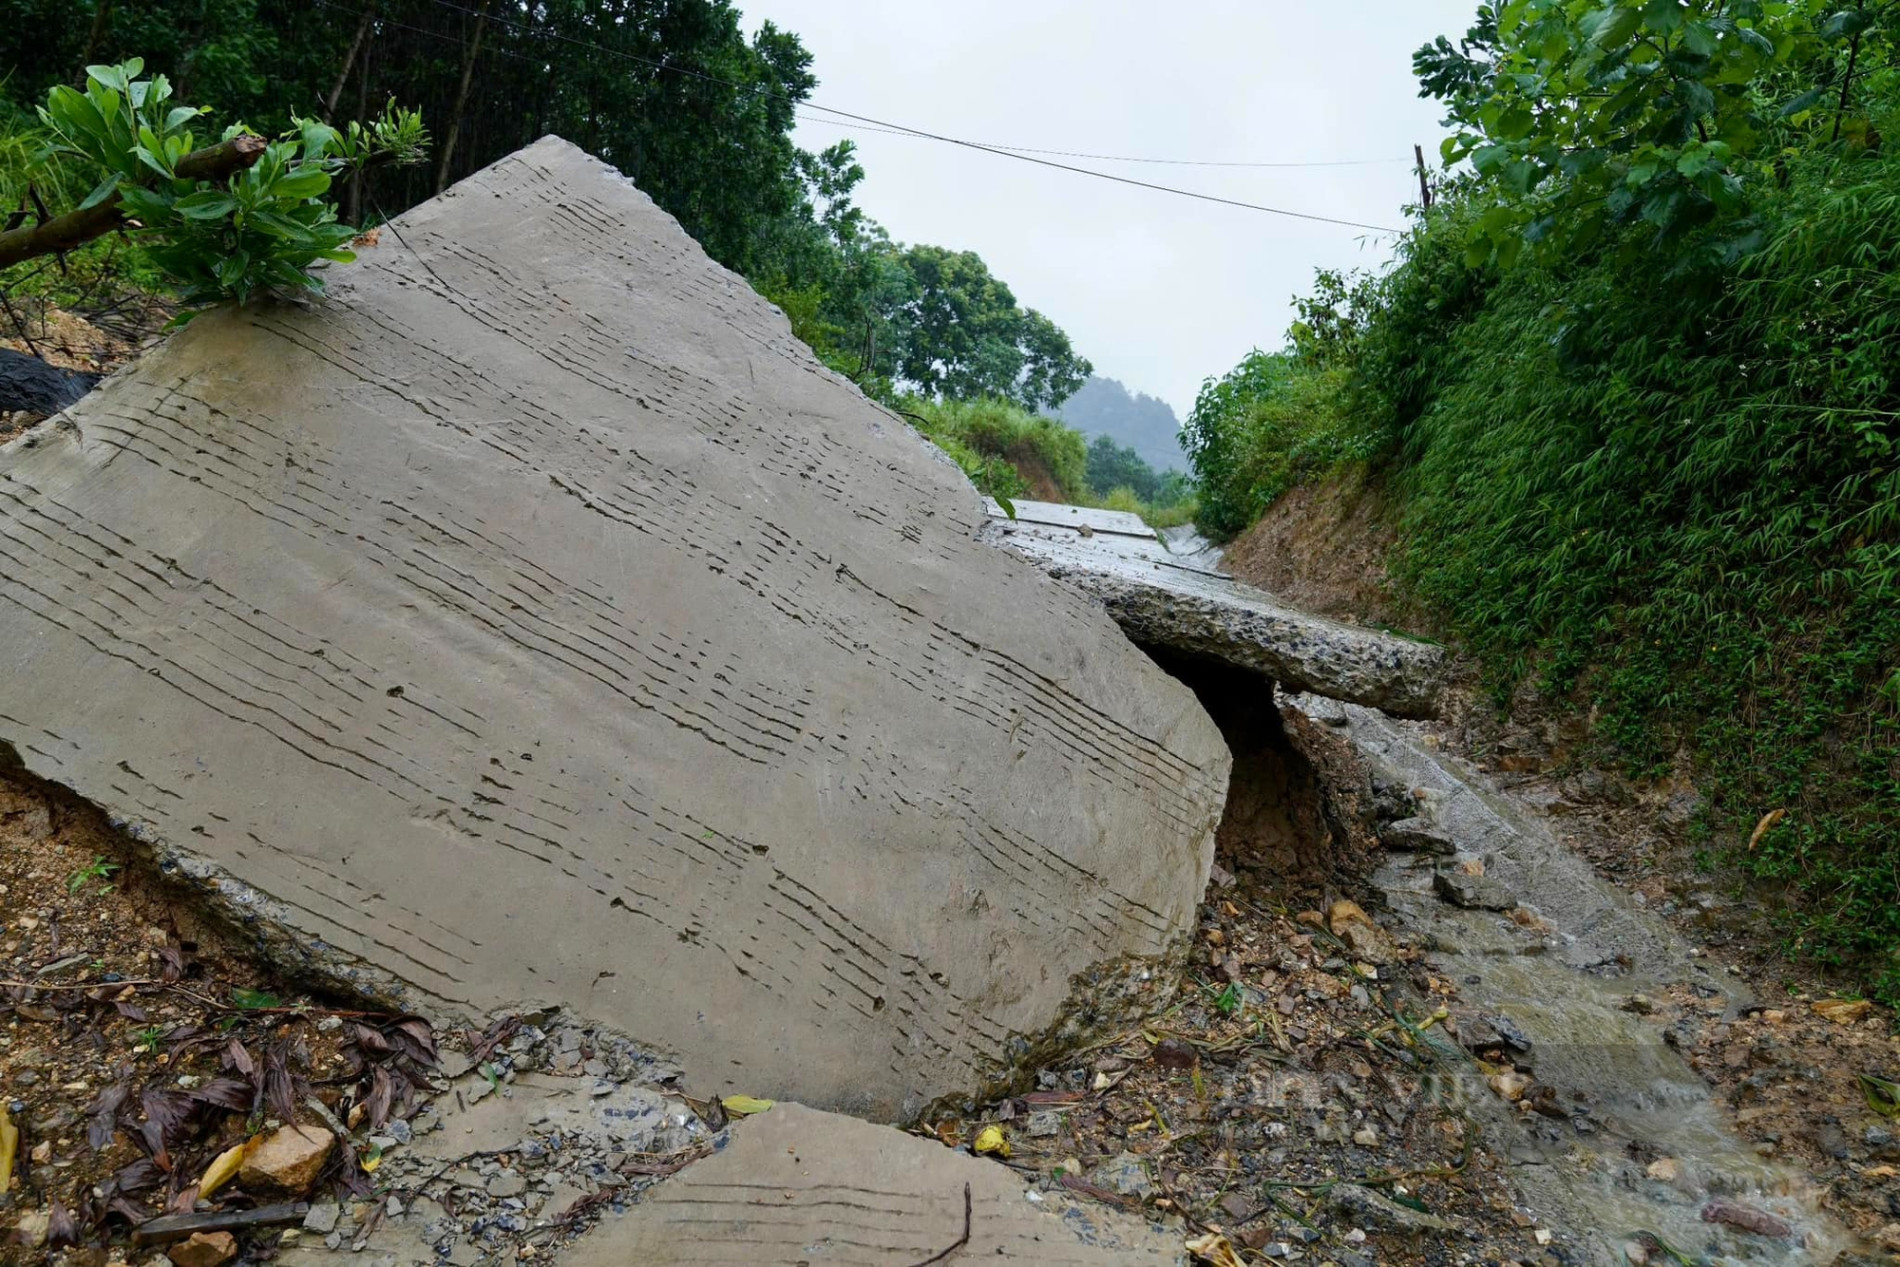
796, 1185
1168, 599
536, 622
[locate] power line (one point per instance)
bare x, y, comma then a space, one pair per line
1019, 156
1125, 158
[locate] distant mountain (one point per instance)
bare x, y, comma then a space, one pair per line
1148, 426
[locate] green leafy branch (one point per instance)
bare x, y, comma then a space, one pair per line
226, 220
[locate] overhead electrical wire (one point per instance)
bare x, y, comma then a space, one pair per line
1019, 154
1125, 158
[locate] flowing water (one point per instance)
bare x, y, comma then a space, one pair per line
1625, 1096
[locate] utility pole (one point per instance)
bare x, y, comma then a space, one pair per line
1424, 187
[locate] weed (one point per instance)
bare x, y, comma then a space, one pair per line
96, 870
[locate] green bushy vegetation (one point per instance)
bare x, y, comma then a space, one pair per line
1634, 385
671, 92
1010, 453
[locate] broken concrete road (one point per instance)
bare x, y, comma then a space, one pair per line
1164, 594
535, 621
796, 1185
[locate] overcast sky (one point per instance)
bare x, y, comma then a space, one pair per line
1159, 291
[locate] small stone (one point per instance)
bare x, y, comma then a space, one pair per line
1042, 1124
1125, 1173
1366, 1137
507, 1184
1417, 835
1510, 1086
287, 1160
31, 1230
1476, 893
205, 1249
1639, 1004
322, 1218
43, 1151
1665, 1170
329, 1024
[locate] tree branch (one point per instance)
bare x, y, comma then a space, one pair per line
76, 228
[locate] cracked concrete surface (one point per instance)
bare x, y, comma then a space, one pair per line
1164, 593
535, 621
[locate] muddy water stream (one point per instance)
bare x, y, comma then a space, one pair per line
1560, 993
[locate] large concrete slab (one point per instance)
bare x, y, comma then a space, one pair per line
799, 1186
1169, 597
537, 622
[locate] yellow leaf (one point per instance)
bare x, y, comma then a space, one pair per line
745, 1105
222, 1167
9, 1144
990, 1141
1762, 828
1215, 1250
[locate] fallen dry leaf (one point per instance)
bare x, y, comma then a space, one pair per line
991, 1141
1766, 824
9, 1145
744, 1105
1214, 1249
222, 1167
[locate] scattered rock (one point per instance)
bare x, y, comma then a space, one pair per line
322, 1218
30, 385
1511, 1086
507, 1184
1472, 892
1417, 835
1345, 912
1640, 1004
1843, 1011
1124, 1173
1372, 1209
287, 1160
1665, 1170
1171, 1053
205, 1249
1745, 1217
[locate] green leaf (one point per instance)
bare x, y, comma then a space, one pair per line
206, 204
1489, 158
1515, 124
1615, 26
101, 191
279, 226
1699, 38
115, 78
1882, 1096
1806, 101
305, 181
1663, 16
180, 116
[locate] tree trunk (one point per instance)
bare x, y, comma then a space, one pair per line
76, 228
101, 18
349, 62
353, 195
461, 98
